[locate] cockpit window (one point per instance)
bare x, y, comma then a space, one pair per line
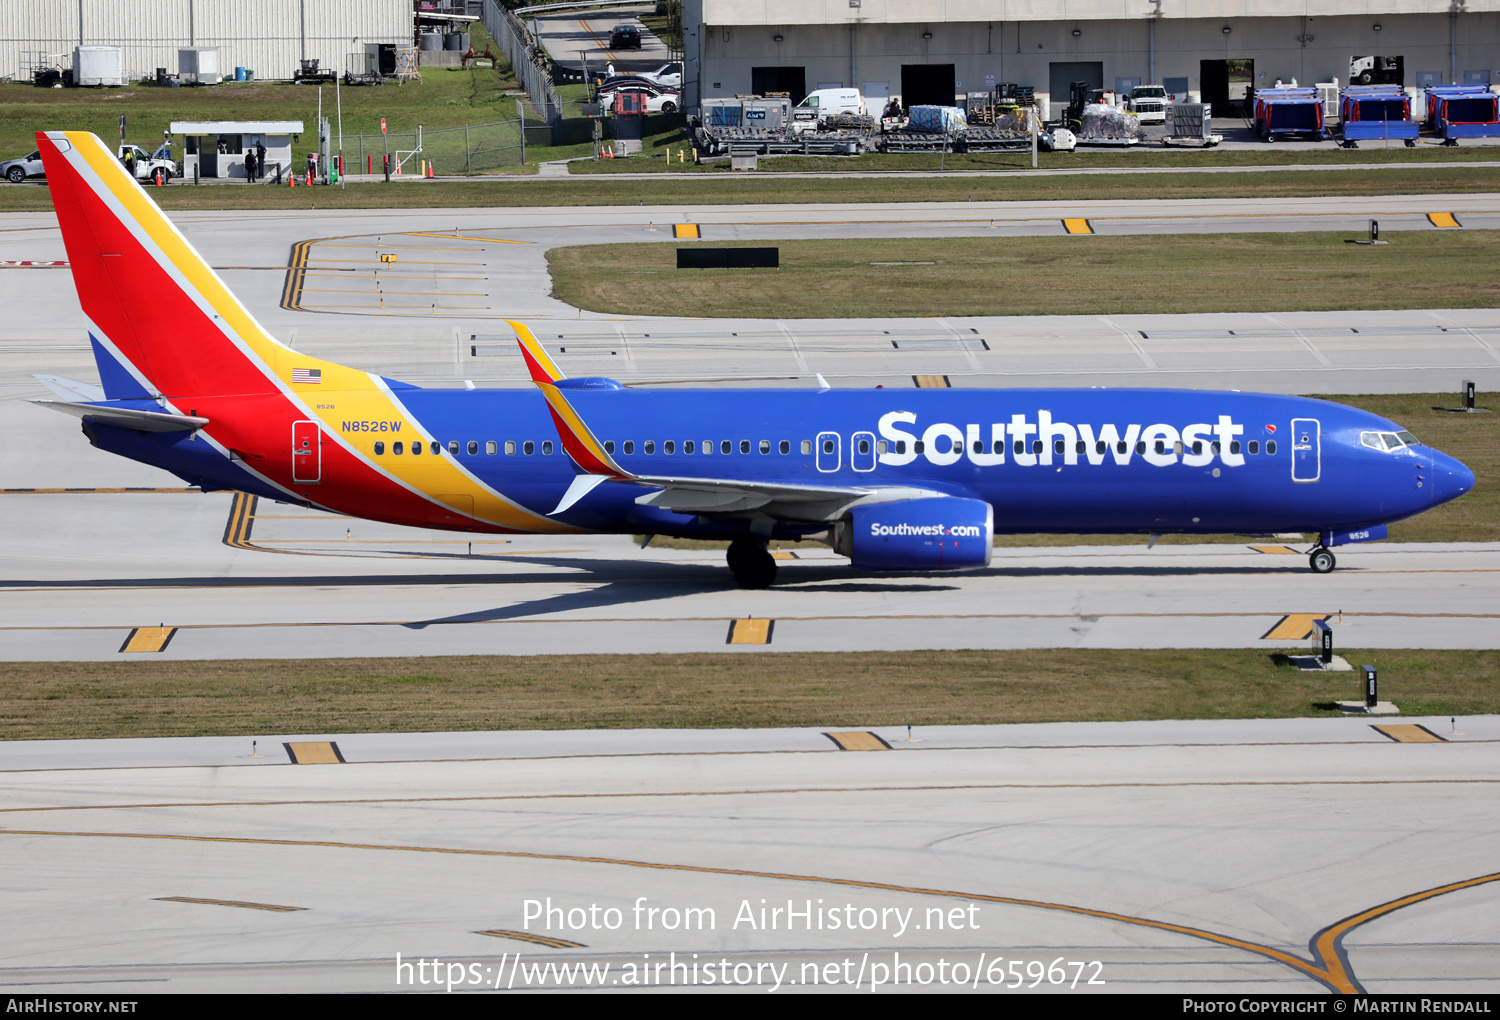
1387, 440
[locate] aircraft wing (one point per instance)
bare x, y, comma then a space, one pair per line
126, 417
687, 495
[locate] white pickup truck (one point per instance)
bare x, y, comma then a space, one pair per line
1148, 103
157, 167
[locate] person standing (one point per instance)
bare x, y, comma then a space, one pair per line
250, 166
260, 158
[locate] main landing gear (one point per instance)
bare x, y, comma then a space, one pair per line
1321, 561
751, 564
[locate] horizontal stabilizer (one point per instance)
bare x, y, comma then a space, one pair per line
127, 418
71, 389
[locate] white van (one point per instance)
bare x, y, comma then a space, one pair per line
823, 105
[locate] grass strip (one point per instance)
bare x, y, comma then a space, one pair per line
266, 698
1117, 275
526, 191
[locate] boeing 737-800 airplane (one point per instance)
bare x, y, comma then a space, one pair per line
896, 480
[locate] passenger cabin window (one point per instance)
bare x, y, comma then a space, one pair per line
881, 446
726, 447
1234, 446
1058, 446
473, 448
547, 448
528, 448
900, 446
669, 447
765, 446
1270, 447
1036, 446
1078, 447
396, 449
1254, 447
744, 446
629, 447
1140, 447
510, 447
609, 446
919, 447
453, 447
379, 449
785, 447
489, 447
648, 447
806, 447
416, 449
687, 446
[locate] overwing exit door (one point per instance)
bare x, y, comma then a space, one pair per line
307, 452
1307, 450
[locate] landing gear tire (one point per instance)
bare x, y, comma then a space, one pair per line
1322, 561
751, 564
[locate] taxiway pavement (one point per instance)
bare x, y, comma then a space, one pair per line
1237, 857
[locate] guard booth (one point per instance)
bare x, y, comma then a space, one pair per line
216, 148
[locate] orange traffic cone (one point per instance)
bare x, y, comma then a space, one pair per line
430, 171
291, 180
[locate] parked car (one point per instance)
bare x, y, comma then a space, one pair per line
657, 100
158, 165
1148, 103
666, 74
823, 106
625, 37
17, 170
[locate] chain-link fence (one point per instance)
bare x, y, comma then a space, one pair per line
474, 148
529, 63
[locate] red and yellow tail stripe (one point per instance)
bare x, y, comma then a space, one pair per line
171, 320
577, 438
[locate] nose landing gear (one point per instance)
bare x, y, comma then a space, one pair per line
751, 564
1321, 561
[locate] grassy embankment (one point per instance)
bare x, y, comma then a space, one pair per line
256, 698
1253, 272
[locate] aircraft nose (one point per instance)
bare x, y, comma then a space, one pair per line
1450, 478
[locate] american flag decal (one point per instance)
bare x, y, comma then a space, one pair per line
307, 375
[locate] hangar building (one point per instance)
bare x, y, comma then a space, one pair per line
269, 36
928, 51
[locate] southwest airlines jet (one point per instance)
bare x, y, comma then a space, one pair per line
916, 480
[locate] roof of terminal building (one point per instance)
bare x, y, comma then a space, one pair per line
235, 127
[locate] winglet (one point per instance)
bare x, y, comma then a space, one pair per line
578, 441
541, 366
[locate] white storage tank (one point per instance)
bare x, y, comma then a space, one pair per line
97, 65
199, 65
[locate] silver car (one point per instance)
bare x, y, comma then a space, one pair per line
17, 170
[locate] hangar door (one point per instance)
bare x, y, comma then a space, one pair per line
791, 80
1062, 77
927, 85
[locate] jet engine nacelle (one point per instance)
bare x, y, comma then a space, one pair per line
938, 533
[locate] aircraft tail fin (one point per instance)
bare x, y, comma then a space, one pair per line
161, 321
578, 440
